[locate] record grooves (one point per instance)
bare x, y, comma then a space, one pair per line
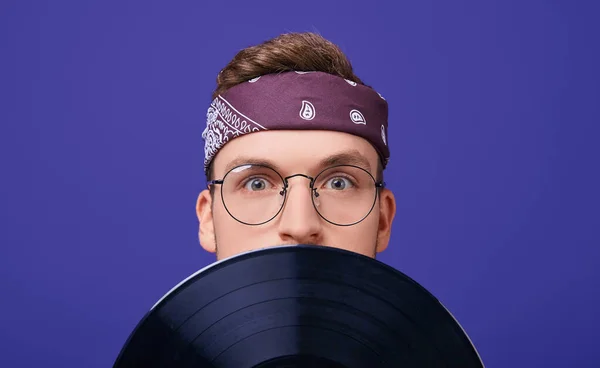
298, 306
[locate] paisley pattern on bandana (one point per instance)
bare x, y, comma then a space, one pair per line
223, 123
307, 112
296, 101
357, 117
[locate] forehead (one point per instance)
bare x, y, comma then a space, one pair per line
293, 151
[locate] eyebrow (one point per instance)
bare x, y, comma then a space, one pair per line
247, 160
350, 157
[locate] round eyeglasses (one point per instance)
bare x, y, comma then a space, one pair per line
342, 195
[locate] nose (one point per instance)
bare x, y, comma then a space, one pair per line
299, 222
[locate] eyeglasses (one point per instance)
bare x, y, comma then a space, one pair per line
342, 195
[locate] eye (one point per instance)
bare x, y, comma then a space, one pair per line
256, 184
338, 183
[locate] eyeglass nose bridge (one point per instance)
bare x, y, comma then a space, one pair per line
286, 183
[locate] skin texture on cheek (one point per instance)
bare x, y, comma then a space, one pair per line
298, 223
232, 238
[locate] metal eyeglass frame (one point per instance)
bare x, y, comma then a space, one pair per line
283, 192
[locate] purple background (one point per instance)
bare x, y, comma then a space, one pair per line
493, 128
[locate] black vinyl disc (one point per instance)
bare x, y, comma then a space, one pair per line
298, 306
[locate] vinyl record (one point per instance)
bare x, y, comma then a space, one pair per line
298, 306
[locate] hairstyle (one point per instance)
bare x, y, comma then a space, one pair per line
288, 52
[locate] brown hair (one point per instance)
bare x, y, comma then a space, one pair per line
287, 52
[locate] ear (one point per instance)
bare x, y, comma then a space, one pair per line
387, 211
206, 231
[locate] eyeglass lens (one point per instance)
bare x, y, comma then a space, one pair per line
255, 194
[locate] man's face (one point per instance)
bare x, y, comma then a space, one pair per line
294, 152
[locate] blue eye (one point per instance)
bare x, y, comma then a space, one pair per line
256, 184
338, 183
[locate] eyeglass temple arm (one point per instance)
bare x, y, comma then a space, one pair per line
214, 182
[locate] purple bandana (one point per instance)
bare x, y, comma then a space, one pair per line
297, 101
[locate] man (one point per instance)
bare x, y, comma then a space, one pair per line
295, 148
